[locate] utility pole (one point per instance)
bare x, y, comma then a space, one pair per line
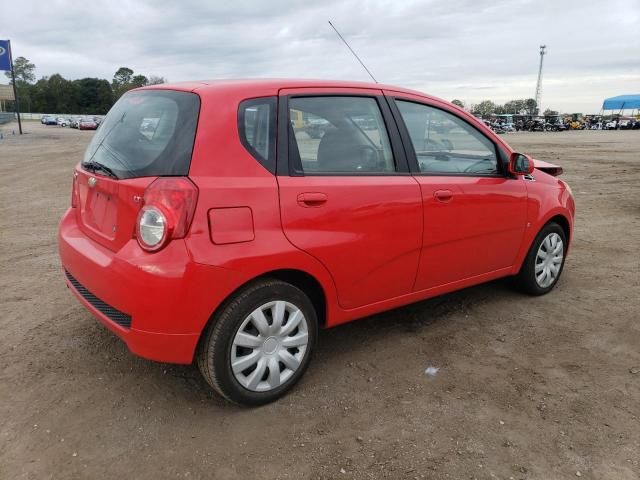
543, 49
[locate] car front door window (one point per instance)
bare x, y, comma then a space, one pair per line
445, 144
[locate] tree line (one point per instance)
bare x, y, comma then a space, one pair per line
56, 94
486, 108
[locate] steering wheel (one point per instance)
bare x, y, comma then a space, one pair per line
142, 136
480, 163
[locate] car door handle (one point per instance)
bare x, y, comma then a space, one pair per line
312, 199
443, 196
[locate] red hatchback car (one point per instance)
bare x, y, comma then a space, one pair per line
229, 221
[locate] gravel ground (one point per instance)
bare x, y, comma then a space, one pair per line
527, 388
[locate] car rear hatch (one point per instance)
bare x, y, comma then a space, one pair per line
147, 134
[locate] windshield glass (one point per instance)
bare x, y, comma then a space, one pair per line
147, 133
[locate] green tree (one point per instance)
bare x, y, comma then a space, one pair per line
55, 94
531, 106
24, 71
122, 76
93, 95
484, 108
121, 81
60, 94
156, 80
25, 76
458, 103
124, 80
548, 111
105, 97
139, 81
515, 107
39, 103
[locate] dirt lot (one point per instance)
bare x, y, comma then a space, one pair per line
528, 388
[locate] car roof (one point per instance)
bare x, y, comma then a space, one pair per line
267, 86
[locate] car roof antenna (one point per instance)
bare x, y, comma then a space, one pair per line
354, 53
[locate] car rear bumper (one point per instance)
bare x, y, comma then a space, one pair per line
158, 303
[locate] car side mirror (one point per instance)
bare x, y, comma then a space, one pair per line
520, 164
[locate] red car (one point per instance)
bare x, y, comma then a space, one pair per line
87, 125
207, 223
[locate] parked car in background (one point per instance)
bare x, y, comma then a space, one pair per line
612, 125
43, 119
87, 124
61, 121
49, 120
316, 127
626, 123
199, 240
535, 125
555, 127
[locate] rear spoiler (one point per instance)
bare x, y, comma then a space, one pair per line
550, 168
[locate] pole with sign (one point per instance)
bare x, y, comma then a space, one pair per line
6, 63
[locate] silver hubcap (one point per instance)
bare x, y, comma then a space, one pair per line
269, 346
549, 260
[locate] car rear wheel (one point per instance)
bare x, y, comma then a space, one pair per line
544, 263
259, 344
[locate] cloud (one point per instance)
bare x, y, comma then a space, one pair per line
467, 49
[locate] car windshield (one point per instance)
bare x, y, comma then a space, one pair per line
147, 133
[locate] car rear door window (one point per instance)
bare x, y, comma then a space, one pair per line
445, 144
339, 135
257, 125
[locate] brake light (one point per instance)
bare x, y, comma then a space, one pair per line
74, 190
169, 205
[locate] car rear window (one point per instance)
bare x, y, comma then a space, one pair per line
147, 133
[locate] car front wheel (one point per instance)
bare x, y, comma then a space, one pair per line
260, 342
543, 264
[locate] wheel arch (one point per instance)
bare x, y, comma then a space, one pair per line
559, 218
308, 284
298, 278
563, 222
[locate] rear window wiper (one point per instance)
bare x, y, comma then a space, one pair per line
95, 167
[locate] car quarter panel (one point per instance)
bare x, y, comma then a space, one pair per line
229, 177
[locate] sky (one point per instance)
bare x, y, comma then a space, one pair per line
472, 50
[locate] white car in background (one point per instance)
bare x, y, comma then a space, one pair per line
612, 125
62, 121
625, 124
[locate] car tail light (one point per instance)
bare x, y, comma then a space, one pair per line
74, 191
169, 205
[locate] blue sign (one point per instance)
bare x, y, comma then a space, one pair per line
5, 62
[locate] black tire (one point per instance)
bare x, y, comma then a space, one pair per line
214, 350
526, 278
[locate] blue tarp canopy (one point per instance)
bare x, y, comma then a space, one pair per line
622, 102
